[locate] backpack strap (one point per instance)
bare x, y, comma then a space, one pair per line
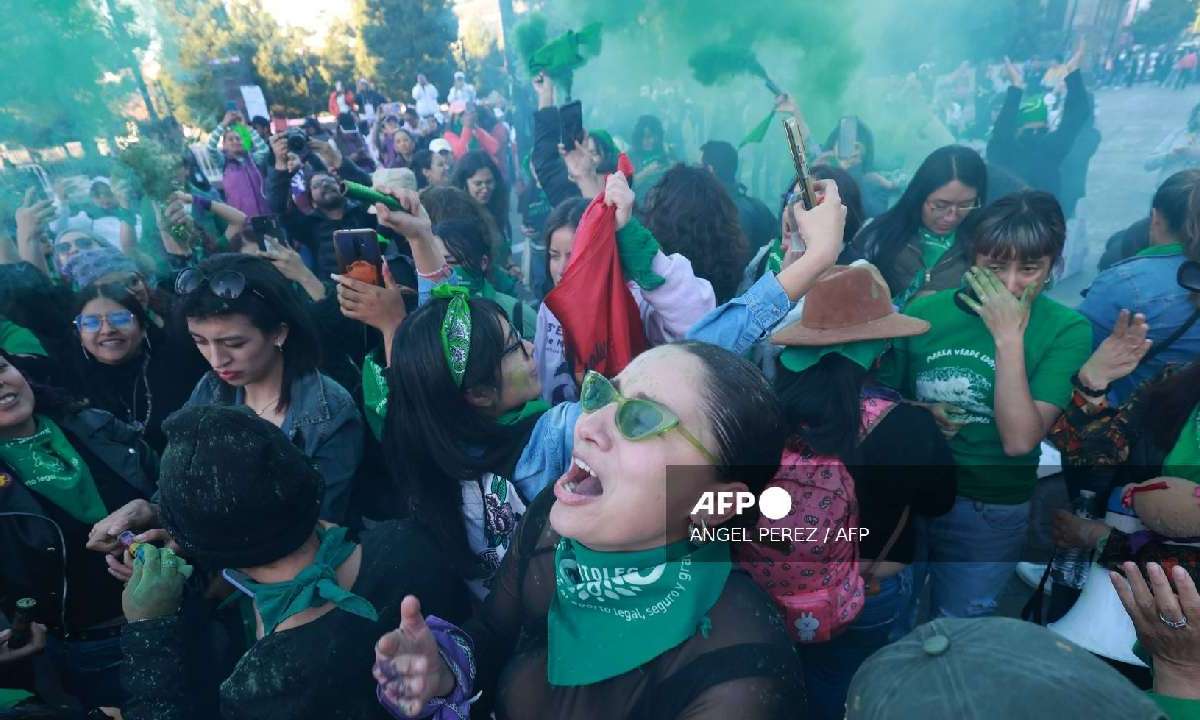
1170, 339
869, 575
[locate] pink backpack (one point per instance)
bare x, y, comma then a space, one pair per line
814, 579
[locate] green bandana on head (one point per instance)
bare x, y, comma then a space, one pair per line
314, 586
48, 465
456, 329
863, 353
614, 611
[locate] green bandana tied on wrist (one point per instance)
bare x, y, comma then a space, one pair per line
615, 611
637, 248
48, 465
314, 586
1184, 459
456, 329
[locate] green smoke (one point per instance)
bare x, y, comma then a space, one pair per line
717, 63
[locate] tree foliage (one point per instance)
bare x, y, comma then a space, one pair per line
1163, 21
65, 77
399, 38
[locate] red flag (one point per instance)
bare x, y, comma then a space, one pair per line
602, 326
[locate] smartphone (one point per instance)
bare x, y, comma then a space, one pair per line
808, 198
358, 255
847, 137
264, 226
571, 118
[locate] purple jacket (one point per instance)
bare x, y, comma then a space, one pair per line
243, 185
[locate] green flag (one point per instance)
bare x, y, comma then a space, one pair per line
758, 132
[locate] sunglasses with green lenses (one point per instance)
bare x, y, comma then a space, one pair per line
636, 418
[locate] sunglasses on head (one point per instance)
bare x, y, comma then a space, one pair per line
226, 284
92, 323
81, 243
636, 418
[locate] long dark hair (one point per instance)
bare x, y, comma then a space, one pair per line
884, 238
434, 439
269, 301
851, 195
655, 127
865, 136
465, 242
822, 406
447, 202
422, 160
690, 212
497, 205
48, 400
568, 214
119, 294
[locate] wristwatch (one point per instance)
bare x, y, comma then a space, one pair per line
1089, 391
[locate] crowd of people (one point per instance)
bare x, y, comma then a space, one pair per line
306, 441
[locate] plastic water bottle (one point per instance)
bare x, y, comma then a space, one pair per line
1070, 566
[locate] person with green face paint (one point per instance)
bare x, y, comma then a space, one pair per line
238, 498
62, 467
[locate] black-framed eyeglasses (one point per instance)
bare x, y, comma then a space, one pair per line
226, 284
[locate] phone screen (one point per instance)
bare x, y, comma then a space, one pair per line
571, 117
847, 137
358, 255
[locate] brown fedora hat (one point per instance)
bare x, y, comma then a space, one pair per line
846, 304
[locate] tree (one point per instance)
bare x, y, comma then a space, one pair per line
66, 78
481, 58
1163, 21
399, 38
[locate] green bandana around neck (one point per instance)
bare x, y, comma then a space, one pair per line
615, 611
314, 586
933, 248
48, 465
456, 329
1161, 250
1184, 459
533, 408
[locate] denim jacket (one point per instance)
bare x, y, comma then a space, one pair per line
746, 319
322, 420
1143, 284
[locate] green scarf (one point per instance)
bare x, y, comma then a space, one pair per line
933, 248
315, 585
615, 611
1184, 459
1161, 250
49, 466
775, 257
533, 408
16, 340
375, 395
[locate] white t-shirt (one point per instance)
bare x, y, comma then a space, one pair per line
426, 99
466, 93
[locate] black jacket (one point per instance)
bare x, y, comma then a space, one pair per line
41, 545
547, 163
1038, 159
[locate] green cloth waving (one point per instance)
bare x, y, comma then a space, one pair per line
614, 611
48, 465
637, 248
758, 132
314, 586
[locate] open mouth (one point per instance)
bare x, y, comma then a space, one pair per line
9, 400
578, 484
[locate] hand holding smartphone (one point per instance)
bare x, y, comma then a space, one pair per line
358, 255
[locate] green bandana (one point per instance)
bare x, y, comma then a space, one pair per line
314, 586
758, 132
1184, 459
375, 395
1161, 250
615, 611
456, 329
933, 248
49, 466
775, 257
637, 248
533, 408
864, 353
16, 340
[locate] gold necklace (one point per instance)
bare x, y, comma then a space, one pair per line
264, 407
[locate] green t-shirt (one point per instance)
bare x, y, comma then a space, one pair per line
955, 363
17, 340
1177, 708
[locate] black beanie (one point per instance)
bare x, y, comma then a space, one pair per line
233, 490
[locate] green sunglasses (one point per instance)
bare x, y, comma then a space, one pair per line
636, 418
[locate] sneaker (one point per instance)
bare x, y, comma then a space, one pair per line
1031, 574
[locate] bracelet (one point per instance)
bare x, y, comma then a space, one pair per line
443, 271
1086, 390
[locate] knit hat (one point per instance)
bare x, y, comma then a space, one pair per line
88, 266
233, 489
983, 668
